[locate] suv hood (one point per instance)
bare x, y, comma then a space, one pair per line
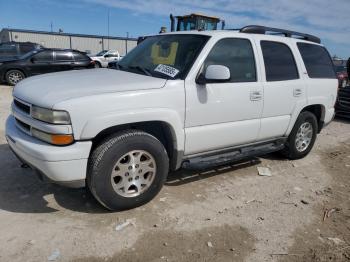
50, 89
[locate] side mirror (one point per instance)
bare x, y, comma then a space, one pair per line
32, 60
214, 74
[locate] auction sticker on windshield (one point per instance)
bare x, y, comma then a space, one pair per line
167, 70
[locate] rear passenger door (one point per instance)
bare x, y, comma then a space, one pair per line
81, 61
63, 61
283, 87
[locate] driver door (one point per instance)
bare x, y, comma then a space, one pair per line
41, 63
225, 114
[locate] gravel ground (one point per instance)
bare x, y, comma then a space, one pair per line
300, 213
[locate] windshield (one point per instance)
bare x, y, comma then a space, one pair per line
8, 50
101, 53
164, 56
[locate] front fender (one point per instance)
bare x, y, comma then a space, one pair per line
97, 124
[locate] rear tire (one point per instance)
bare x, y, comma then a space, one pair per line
14, 76
127, 170
303, 136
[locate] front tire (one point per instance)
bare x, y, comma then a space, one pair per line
14, 76
303, 136
127, 170
97, 64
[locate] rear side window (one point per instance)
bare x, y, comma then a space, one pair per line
317, 61
64, 56
80, 57
44, 56
25, 48
279, 61
237, 54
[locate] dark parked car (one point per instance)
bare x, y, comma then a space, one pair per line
43, 61
113, 64
342, 75
342, 106
14, 50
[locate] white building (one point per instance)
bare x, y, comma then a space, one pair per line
91, 44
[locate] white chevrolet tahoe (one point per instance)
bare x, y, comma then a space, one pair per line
104, 57
186, 99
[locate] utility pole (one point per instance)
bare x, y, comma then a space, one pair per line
108, 30
126, 42
51, 27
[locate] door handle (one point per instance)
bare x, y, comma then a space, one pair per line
255, 96
297, 92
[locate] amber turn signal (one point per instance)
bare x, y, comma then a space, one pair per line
61, 139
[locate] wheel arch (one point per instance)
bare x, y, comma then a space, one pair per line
97, 62
319, 111
18, 69
162, 130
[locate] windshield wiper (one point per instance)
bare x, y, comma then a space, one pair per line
141, 69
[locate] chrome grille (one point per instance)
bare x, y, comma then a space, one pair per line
25, 108
23, 126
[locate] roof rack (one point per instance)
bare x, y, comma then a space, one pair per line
257, 29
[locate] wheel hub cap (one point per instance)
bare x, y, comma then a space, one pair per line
15, 77
304, 137
133, 173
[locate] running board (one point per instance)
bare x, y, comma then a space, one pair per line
232, 155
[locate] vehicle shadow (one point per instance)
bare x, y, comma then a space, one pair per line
21, 191
342, 120
184, 176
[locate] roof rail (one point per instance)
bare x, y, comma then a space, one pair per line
257, 29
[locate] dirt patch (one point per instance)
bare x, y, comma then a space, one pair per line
328, 239
224, 243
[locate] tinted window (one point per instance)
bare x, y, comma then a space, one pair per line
45, 56
25, 49
279, 62
112, 55
317, 61
79, 56
237, 55
62, 56
8, 49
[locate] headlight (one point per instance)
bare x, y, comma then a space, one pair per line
60, 140
50, 116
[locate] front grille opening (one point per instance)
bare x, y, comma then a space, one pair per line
23, 125
22, 107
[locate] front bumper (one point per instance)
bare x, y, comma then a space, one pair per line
66, 165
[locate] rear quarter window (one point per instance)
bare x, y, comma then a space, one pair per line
317, 61
80, 57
